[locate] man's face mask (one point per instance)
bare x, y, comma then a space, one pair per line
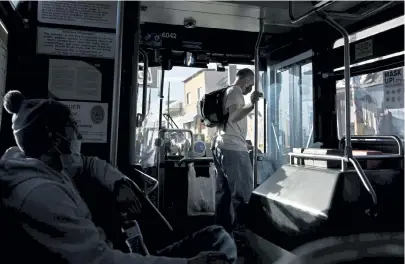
248, 89
249, 82
70, 142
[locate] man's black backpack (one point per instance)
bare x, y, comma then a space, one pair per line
211, 109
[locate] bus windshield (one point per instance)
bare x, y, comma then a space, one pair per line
183, 88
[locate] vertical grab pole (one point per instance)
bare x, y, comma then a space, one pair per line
134, 90
257, 80
145, 81
161, 97
160, 176
346, 56
117, 83
348, 147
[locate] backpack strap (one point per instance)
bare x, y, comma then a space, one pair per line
226, 115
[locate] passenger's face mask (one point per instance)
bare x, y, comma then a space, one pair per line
249, 82
70, 142
70, 153
248, 89
70, 146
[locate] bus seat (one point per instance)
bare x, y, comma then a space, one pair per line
299, 204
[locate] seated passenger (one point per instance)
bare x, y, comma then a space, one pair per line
56, 225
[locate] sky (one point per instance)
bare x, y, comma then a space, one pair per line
176, 76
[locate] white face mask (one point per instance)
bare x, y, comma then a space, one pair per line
71, 162
75, 146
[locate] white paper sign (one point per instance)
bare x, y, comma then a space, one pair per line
363, 49
92, 119
74, 80
80, 43
78, 13
394, 89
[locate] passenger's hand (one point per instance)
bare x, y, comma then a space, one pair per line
209, 257
255, 96
128, 200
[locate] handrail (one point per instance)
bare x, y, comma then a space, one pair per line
185, 160
169, 118
310, 137
363, 15
115, 107
276, 139
256, 110
378, 157
364, 179
393, 137
345, 35
353, 161
145, 81
317, 8
316, 157
155, 183
163, 130
324, 4
139, 192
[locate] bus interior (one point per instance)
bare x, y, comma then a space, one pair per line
327, 137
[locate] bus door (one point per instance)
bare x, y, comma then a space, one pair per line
289, 96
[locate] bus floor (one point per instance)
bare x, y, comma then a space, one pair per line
261, 251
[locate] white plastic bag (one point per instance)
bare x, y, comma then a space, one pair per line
201, 192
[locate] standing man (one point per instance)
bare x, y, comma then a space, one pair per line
231, 158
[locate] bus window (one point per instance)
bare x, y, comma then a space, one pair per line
306, 105
283, 102
377, 106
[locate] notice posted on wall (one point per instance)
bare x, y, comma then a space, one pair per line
394, 89
92, 119
363, 49
79, 43
74, 80
78, 13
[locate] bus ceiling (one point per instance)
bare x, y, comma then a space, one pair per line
226, 31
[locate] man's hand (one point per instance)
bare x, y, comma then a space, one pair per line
255, 96
209, 257
127, 199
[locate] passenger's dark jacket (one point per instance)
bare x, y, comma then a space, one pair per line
46, 219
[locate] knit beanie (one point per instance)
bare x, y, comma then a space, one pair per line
34, 120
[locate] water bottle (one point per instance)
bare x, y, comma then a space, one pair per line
134, 238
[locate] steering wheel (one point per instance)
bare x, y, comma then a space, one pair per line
364, 248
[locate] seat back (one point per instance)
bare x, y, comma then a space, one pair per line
301, 203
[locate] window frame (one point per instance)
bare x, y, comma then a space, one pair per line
188, 95
199, 93
293, 66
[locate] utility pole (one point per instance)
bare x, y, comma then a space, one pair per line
168, 100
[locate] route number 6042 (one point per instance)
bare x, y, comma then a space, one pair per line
169, 35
